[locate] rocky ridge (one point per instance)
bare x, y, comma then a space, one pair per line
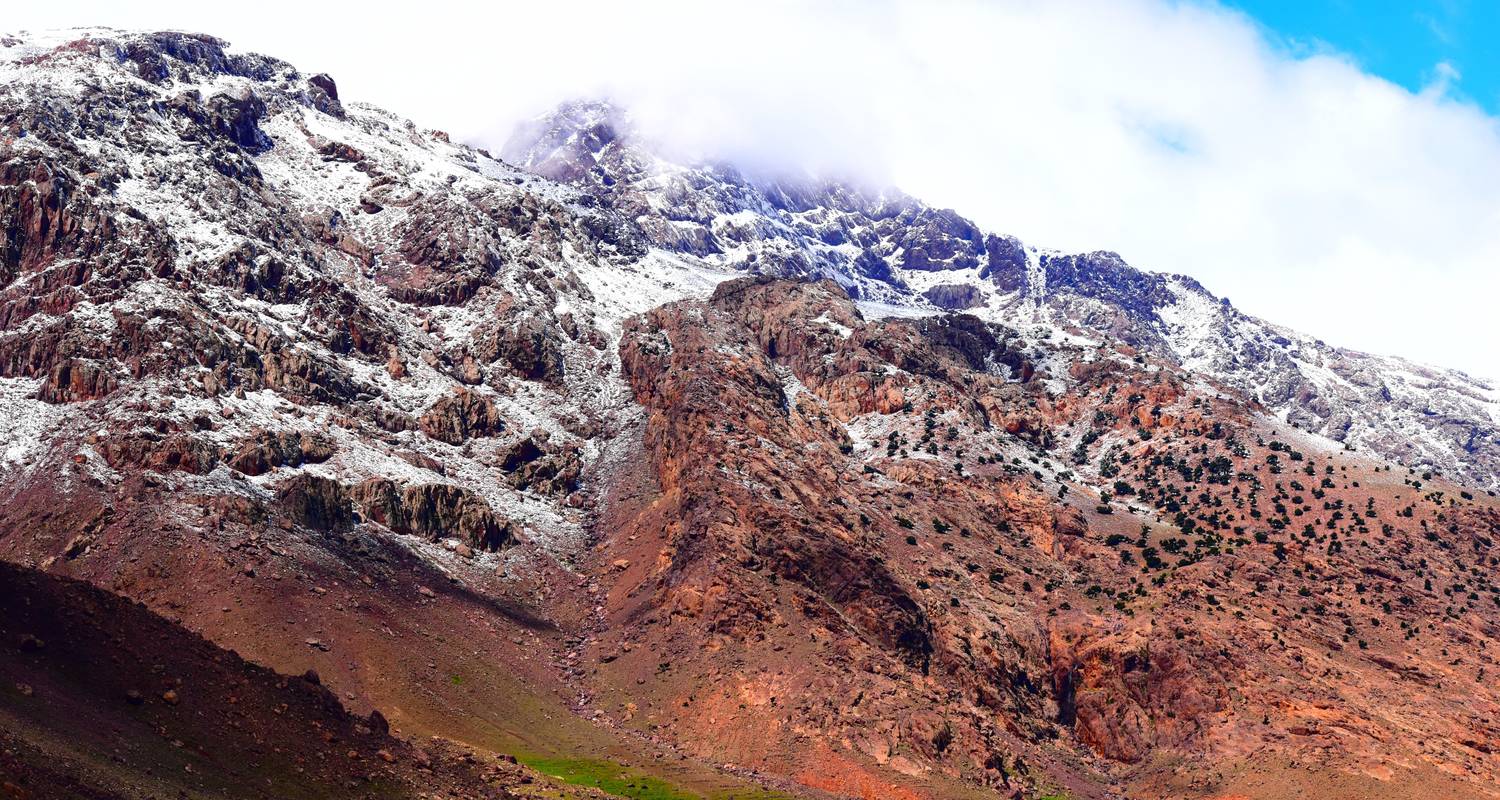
886, 248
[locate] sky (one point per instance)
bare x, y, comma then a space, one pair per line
1411, 43
1329, 165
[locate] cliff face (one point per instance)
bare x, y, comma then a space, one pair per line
736, 479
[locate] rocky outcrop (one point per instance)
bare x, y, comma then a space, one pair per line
461, 415
939, 239
433, 511
49, 214
266, 450
1105, 276
668, 357
1126, 693
981, 346
450, 252
76, 380
528, 345
170, 452
237, 119
1005, 263
535, 465
954, 296
161, 57
323, 92
315, 502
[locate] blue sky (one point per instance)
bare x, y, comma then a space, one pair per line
1403, 42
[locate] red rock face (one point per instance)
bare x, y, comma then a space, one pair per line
43, 220
75, 380
772, 520
801, 549
434, 511
1001, 595
1127, 692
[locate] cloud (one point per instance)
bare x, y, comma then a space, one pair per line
1177, 133
1444, 75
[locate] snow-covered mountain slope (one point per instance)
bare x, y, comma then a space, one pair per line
898, 255
236, 259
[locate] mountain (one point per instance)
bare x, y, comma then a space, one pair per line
677, 481
889, 248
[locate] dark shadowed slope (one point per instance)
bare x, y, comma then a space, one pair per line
101, 698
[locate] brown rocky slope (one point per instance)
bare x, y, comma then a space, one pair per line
103, 699
855, 540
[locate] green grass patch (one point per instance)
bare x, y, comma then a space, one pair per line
632, 784
609, 776
622, 781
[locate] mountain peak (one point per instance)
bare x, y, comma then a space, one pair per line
899, 255
568, 143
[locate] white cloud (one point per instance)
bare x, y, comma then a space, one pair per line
1308, 191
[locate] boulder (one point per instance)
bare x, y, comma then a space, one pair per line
462, 415
237, 119
316, 502
265, 451
323, 93
954, 296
